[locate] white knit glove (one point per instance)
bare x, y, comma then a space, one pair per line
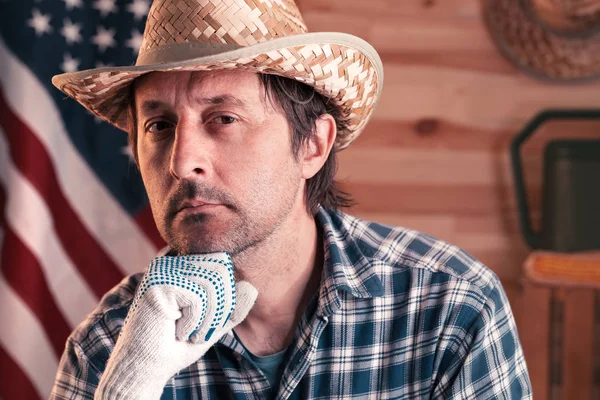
183, 306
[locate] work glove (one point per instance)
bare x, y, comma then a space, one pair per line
183, 305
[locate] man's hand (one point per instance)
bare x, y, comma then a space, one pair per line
183, 306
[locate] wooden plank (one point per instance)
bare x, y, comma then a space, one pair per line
556, 342
435, 166
440, 134
431, 134
578, 339
596, 348
462, 199
514, 292
352, 23
507, 222
399, 34
350, 6
484, 60
429, 10
479, 242
477, 99
505, 264
533, 325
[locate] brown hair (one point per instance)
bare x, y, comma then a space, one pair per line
302, 106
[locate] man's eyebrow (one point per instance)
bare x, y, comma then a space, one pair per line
149, 106
223, 99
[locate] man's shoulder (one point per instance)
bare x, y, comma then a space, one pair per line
102, 326
401, 250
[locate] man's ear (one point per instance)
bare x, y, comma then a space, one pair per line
317, 149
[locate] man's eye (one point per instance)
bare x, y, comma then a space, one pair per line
158, 126
224, 120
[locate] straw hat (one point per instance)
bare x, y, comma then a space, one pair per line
267, 36
555, 39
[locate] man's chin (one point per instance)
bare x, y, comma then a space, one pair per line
197, 244
182, 247
210, 235
199, 238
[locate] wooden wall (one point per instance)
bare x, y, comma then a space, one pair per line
435, 155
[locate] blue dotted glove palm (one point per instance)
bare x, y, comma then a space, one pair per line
183, 306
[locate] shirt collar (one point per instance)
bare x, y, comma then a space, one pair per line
349, 266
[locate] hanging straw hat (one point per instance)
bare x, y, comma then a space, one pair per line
555, 39
266, 36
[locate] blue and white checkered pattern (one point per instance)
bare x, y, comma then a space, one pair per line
399, 315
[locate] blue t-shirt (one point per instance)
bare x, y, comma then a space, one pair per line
271, 366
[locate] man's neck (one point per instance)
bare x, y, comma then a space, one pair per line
286, 270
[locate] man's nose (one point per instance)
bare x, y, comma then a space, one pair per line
190, 151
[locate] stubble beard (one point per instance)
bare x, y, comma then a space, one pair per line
244, 233
247, 228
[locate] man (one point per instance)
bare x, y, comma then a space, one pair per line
267, 290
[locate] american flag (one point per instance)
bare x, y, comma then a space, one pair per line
74, 217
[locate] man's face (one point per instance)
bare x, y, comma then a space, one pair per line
216, 159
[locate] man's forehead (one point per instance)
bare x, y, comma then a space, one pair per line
236, 88
148, 106
197, 80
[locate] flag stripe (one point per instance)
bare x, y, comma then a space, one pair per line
25, 341
31, 159
72, 218
14, 384
145, 221
28, 281
104, 218
29, 218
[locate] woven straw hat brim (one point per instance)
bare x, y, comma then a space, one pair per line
537, 49
340, 66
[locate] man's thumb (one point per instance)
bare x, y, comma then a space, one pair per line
246, 296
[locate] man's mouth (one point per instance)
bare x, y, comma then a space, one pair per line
196, 206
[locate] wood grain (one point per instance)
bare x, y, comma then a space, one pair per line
435, 133
579, 324
435, 156
461, 199
533, 323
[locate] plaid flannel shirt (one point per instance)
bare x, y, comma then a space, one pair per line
399, 315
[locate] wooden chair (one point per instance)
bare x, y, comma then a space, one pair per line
564, 275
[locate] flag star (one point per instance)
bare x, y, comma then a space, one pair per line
40, 22
104, 38
69, 64
100, 64
135, 41
139, 8
70, 4
126, 150
71, 32
105, 7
